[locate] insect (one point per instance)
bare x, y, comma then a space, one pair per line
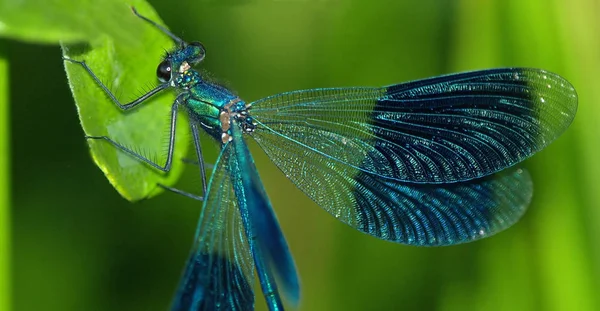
427, 163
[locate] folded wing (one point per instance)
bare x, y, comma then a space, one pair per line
219, 274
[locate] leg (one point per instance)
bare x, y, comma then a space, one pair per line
167, 166
198, 148
207, 166
127, 106
194, 162
161, 28
181, 192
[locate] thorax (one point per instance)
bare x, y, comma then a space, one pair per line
214, 107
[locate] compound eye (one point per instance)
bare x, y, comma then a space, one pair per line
163, 72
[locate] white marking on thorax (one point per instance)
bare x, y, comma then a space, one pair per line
184, 67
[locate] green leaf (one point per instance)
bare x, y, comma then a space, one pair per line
123, 51
44, 21
128, 67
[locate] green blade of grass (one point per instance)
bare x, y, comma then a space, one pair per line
563, 257
4, 186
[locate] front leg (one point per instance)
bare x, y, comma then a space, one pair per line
167, 166
127, 106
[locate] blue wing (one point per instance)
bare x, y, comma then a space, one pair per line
220, 271
271, 252
444, 129
409, 213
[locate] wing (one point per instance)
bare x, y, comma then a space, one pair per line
444, 129
220, 271
409, 213
271, 252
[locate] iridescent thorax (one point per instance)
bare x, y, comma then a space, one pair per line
213, 106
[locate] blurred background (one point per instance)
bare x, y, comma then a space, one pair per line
77, 245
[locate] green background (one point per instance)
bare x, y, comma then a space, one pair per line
78, 245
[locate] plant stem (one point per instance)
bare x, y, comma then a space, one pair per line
4, 185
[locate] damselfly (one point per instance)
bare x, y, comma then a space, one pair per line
415, 163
